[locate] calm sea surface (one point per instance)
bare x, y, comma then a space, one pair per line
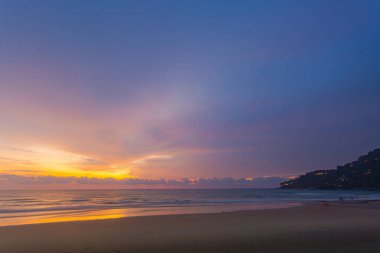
27, 207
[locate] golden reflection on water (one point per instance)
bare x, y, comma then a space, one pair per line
96, 215
42, 217
62, 217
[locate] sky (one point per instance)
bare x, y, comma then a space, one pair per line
151, 90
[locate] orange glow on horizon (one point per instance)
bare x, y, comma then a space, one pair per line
47, 161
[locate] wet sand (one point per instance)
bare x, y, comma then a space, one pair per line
320, 227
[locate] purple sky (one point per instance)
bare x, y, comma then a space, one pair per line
173, 89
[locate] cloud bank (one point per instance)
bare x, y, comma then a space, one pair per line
18, 181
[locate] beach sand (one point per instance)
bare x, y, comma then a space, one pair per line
322, 227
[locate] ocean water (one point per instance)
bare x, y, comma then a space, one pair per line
28, 207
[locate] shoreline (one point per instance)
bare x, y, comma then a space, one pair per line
122, 213
110, 214
20, 208
314, 227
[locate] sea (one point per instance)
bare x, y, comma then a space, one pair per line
19, 207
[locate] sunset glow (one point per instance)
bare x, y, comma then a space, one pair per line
45, 161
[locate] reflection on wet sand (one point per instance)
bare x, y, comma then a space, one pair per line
62, 216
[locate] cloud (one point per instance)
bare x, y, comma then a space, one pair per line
228, 182
152, 158
91, 161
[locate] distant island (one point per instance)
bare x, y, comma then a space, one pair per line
361, 174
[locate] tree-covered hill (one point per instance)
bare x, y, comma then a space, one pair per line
361, 174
